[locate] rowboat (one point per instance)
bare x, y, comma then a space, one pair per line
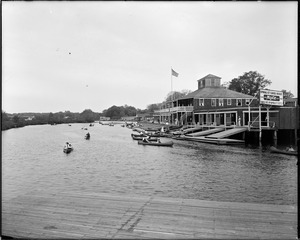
275, 150
136, 137
67, 149
161, 144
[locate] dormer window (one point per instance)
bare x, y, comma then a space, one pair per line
228, 101
208, 82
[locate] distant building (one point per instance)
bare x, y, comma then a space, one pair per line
104, 118
130, 118
29, 118
144, 117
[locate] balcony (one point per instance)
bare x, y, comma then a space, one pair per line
176, 109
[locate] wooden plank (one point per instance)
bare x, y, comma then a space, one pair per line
237, 205
87, 214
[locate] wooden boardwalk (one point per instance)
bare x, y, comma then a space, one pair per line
78, 215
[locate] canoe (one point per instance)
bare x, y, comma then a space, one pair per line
161, 144
275, 150
135, 137
138, 135
68, 149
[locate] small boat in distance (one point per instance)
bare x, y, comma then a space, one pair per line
275, 150
87, 136
68, 148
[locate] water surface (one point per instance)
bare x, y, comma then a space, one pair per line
111, 162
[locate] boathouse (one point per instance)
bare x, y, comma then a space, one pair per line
216, 106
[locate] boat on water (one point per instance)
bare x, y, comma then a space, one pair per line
158, 143
87, 136
140, 137
68, 148
275, 150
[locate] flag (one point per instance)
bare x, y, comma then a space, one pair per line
174, 73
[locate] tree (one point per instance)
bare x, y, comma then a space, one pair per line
249, 83
129, 110
152, 107
287, 94
50, 118
16, 119
87, 116
176, 95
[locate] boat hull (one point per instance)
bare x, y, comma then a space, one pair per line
160, 144
275, 150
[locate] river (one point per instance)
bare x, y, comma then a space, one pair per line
111, 162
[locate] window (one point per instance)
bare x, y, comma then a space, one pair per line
239, 102
201, 102
221, 102
213, 102
247, 101
229, 101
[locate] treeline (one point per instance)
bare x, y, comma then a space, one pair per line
87, 116
16, 120
23, 119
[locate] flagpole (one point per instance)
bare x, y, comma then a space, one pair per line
171, 95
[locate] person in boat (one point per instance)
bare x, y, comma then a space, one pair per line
88, 135
146, 139
290, 149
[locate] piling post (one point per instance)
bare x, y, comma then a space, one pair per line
260, 130
275, 138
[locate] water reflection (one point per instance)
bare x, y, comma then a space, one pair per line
112, 162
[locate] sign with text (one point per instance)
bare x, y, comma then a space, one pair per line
271, 97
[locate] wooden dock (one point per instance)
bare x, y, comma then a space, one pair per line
78, 215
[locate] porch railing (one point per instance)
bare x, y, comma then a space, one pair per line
176, 109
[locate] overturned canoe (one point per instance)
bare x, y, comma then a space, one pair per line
275, 150
162, 144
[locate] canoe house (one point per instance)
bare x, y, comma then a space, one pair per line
216, 106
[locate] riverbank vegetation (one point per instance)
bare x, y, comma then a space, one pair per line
15, 120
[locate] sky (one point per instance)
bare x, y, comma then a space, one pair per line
72, 56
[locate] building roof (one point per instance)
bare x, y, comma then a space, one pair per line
209, 76
215, 92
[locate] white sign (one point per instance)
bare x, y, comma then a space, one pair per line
271, 97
